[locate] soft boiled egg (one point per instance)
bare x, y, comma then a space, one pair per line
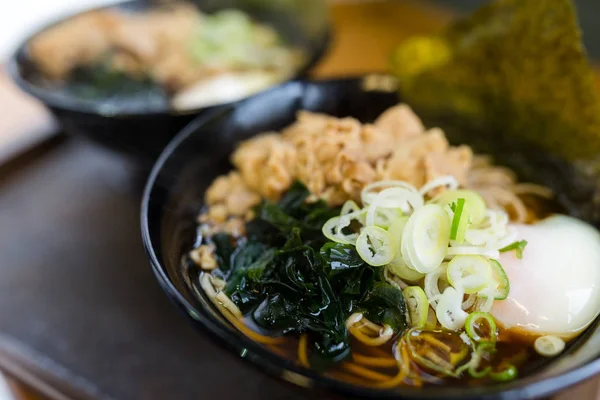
555, 287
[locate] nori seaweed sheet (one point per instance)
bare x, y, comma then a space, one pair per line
513, 80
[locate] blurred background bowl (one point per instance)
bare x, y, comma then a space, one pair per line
142, 133
174, 195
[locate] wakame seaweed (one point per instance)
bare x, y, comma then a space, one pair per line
290, 279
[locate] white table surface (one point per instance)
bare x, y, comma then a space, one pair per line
20, 18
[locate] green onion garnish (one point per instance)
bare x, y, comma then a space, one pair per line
508, 374
518, 246
459, 222
479, 350
479, 318
479, 374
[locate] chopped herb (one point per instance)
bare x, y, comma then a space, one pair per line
459, 223
507, 374
518, 246
453, 206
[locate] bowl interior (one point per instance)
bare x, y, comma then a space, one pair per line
175, 191
303, 26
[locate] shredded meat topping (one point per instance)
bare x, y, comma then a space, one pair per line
336, 157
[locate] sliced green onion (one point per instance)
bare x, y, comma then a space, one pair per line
396, 229
398, 265
549, 346
479, 374
333, 228
474, 204
508, 374
449, 311
431, 283
389, 203
500, 286
425, 238
477, 318
375, 246
369, 192
476, 359
381, 217
403, 271
460, 222
332, 231
518, 246
476, 356
329, 230
469, 301
418, 306
483, 304
346, 220
349, 207
469, 273
442, 181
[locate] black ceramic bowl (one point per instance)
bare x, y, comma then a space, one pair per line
174, 195
144, 133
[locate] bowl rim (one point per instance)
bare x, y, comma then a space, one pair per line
71, 104
277, 367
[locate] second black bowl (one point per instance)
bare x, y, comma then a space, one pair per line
143, 134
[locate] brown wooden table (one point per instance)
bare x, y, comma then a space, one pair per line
364, 32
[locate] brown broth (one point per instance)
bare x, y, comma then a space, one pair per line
519, 353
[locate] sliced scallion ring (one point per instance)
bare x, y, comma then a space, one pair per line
469, 273
381, 216
431, 284
449, 312
484, 304
389, 204
403, 271
375, 246
507, 374
469, 301
477, 356
500, 285
418, 306
396, 229
474, 327
425, 238
479, 374
332, 229
349, 207
549, 346
442, 181
370, 191
329, 229
398, 265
